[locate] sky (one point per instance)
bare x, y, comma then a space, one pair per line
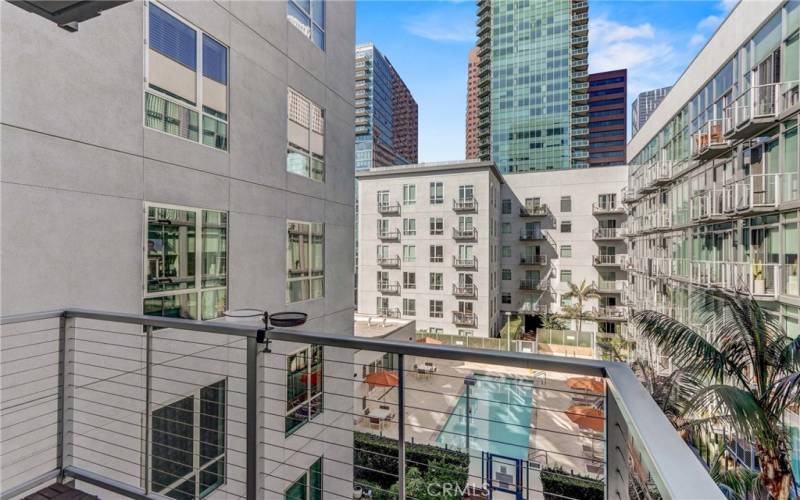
428, 42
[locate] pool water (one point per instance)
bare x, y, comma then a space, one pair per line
499, 421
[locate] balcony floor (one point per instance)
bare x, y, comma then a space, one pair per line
58, 491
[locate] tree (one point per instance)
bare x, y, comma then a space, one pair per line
748, 367
580, 294
736, 483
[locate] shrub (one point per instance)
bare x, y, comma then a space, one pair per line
558, 484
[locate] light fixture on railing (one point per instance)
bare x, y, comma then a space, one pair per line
284, 319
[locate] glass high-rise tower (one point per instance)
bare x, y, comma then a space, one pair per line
533, 82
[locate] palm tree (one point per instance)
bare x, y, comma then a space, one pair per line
736, 483
749, 369
581, 294
672, 393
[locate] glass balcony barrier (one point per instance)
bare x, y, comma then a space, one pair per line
609, 260
465, 290
389, 234
610, 313
607, 207
388, 286
389, 261
465, 262
465, 204
389, 208
533, 210
708, 139
533, 260
611, 286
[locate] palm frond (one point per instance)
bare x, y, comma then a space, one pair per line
736, 483
686, 347
745, 413
783, 393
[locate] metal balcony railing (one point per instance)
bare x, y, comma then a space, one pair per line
533, 210
391, 234
755, 108
607, 207
389, 261
465, 205
471, 262
465, 318
146, 407
469, 233
389, 208
540, 285
610, 313
611, 286
609, 260
388, 286
533, 260
465, 290
606, 233
708, 140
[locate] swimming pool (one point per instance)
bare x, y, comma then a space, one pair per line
500, 419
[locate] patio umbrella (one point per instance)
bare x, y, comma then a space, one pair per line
429, 340
586, 384
587, 417
383, 379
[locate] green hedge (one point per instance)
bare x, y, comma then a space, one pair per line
375, 459
556, 481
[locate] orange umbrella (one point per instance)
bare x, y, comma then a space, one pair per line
429, 340
586, 384
587, 417
314, 378
383, 378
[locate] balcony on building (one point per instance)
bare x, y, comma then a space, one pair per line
606, 234
580, 164
532, 235
465, 318
579, 41
465, 290
610, 313
580, 154
465, 262
533, 210
484, 6
580, 6
533, 260
708, 141
579, 109
579, 75
616, 260
579, 64
709, 204
470, 233
390, 234
611, 286
579, 143
385, 286
629, 194
760, 279
389, 261
130, 386
389, 208
578, 131
607, 207
756, 109
541, 285
465, 205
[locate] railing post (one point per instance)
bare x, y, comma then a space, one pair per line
66, 389
148, 381
252, 445
401, 428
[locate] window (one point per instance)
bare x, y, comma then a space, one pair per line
506, 274
409, 307
506, 251
409, 194
303, 387
306, 131
188, 444
465, 224
437, 226
436, 310
466, 192
566, 251
566, 226
383, 228
566, 204
409, 253
506, 206
409, 280
410, 227
174, 254
383, 252
437, 253
466, 333
305, 261
505, 298
505, 228
308, 486
566, 301
308, 16
178, 101
436, 281
436, 331
566, 276
437, 193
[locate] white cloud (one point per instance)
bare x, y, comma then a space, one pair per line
443, 25
709, 23
697, 39
602, 30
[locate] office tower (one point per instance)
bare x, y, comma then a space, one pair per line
471, 121
458, 244
607, 112
386, 112
644, 105
533, 82
203, 163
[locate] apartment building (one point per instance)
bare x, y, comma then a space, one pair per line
644, 105
455, 243
194, 158
532, 84
428, 235
471, 117
608, 102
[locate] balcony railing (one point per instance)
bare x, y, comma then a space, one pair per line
756, 278
388, 312
108, 400
465, 290
533, 260
540, 285
388, 286
470, 233
528, 235
389, 261
533, 210
607, 207
465, 205
391, 234
470, 262
708, 140
606, 233
465, 318
611, 286
755, 109
389, 208
610, 313
609, 260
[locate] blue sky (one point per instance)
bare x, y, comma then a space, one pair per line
428, 42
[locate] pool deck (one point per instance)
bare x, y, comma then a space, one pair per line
554, 439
